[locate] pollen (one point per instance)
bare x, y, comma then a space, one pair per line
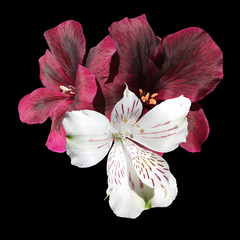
152, 101
148, 99
64, 89
70, 90
154, 95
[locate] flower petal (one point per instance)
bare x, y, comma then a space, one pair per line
37, 106
88, 137
51, 72
160, 199
198, 129
135, 43
56, 141
67, 44
151, 169
116, 167
164, 127
99, 58
191, 64
131, 196
126, 203
85, 89
127, 111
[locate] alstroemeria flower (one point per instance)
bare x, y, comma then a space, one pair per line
187, 62
138, 178
68, 84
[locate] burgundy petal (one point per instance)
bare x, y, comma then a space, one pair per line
85, 89
51, 72
198, 129
36, 107
190, 63
57, 138
99, 58
135, 43
67, 44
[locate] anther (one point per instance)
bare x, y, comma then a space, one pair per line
125, 120
138, 125
141, 130
131, 135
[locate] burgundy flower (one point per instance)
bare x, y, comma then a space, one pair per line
68, 85
185, 63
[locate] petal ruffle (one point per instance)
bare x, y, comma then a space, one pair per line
67, 44
88, 137
190, 64
37, 106
198, 129
164, 127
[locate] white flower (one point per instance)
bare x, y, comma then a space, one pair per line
138, 178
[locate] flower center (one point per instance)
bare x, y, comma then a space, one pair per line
67, 90
147, 98
123, 130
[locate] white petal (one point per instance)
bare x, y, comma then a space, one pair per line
164, 127
116, 167
162, 199
126, 203
152, 169
126, 111
88, 137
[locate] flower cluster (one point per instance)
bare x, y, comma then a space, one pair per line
94, 113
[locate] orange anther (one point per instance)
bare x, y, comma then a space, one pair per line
152, 101
141, 92
154, 95
147, 96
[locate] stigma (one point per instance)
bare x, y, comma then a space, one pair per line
147, 98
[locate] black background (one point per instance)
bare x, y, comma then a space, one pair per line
45, 193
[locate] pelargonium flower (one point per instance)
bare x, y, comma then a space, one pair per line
68, 85
187, 62
138, 177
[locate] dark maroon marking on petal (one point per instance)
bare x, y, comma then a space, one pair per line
153, 182
122, 108
158, 177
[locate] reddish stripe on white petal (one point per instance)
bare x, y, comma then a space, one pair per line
159, 136
161, 124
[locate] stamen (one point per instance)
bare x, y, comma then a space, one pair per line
67, 90
64, 89
141, 92
152, 101
147, 96
154, 95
